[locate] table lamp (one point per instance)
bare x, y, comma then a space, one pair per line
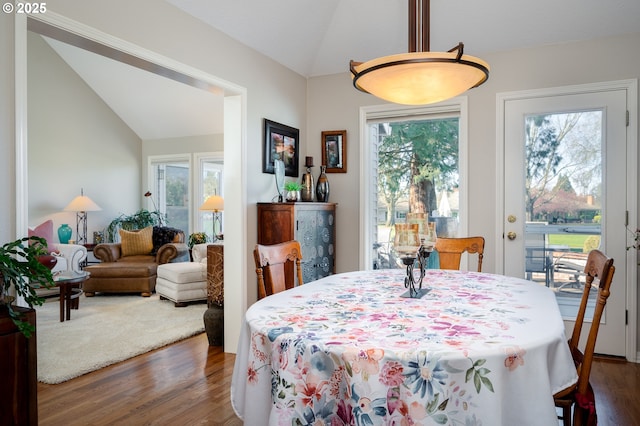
81, 205
214, 204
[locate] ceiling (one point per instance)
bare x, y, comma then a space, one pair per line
319, 37
154, 107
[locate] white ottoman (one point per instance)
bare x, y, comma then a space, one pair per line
182, 282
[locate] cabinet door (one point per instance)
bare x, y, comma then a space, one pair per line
325, 243
275, 223
18, 371
306, 234
315, 232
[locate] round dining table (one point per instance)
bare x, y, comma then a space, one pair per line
476, 349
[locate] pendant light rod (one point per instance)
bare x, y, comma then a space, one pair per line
419, 19
420, 76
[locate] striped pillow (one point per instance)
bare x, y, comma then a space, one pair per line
136, 242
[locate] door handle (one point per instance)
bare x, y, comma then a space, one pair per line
511, 235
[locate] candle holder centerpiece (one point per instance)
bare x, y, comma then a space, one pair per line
414, 242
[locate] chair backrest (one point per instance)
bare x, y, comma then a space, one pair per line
450, 250
599, 269
273, 267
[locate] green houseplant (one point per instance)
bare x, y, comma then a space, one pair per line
20, 266
140, 219
197, 238
293, 190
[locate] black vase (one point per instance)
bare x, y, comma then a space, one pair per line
322, 186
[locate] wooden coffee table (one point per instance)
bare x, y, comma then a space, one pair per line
70, 284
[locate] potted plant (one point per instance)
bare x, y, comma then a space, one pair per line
22, 264
139, 220
293, 190
197, 238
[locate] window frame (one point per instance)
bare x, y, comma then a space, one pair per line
196, 186
199, 158
153, 160
368, 163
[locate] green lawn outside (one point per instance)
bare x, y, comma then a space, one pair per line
575, 241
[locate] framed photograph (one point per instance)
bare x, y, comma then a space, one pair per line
334, 151
280, 142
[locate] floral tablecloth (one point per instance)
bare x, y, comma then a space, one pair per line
477, 349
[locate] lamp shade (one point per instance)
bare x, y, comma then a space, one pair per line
82, 203
214, 203
419, 78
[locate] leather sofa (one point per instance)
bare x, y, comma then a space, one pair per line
121, 273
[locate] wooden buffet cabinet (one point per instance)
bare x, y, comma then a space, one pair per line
313, 225
18, 371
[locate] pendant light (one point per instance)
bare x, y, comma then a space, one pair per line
419, 77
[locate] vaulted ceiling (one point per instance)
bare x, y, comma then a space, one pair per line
319, 37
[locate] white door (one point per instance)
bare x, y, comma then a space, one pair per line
565, 191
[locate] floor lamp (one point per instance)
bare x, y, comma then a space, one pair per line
214, 204
81, 205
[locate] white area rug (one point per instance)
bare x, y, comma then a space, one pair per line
108, 329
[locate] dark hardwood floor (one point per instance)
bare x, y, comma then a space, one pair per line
188, 383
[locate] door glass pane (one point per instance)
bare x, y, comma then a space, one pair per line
171, 181
563, 198
417, 172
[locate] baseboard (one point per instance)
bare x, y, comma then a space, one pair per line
610, 358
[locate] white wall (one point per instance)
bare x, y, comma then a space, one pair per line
7, 130
201, 143
333, 104
567, 64
272, 92
76, 141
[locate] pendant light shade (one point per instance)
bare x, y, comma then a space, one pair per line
419, 77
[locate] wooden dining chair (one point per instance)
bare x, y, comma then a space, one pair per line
450, 250
274, 267
580, 396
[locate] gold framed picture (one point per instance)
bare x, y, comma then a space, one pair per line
334, 151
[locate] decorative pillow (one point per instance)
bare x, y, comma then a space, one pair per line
163, 235
136, 242
45, 230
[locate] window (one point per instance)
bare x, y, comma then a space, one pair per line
210, 182
174, 178
416, 161
170, 180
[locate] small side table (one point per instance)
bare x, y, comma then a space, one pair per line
214, 315
90, 259
70, 284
